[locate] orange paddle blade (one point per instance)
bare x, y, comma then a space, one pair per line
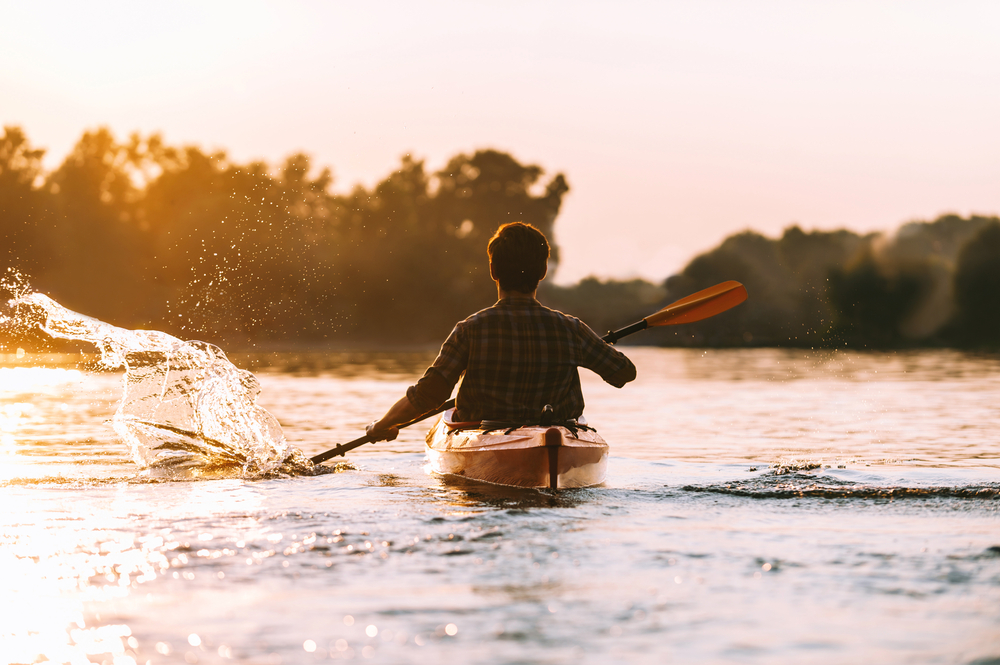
701, 305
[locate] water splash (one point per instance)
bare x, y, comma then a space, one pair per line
779, 482
184, 407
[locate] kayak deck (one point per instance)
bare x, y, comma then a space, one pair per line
527, 456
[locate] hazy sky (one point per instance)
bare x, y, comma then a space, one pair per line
676, 123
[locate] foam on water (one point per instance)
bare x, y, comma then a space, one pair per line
185, 408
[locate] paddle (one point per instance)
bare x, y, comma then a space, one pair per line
695, 307
360, 441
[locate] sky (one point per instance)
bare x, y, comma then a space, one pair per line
675, 123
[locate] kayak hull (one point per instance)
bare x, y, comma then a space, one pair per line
528, 456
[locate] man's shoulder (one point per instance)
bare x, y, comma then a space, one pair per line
534, 309
485, 313
556, 314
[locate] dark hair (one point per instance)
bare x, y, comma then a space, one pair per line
519, 255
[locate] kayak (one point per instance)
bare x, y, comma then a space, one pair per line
555, 456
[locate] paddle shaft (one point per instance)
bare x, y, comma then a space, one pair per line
362, 440
616, 335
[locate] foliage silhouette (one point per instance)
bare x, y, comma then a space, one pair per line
22, 202
143, 234
977, 290
147, 235
872, 303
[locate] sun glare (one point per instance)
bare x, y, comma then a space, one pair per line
38, 577
17, 383
20, 380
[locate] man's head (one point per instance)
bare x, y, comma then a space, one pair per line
519, 255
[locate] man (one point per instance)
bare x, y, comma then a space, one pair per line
515, 357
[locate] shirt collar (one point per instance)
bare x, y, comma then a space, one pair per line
518, 299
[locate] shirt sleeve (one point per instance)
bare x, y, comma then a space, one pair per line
435, 386
599, 356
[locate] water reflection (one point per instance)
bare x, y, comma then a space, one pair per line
464, 493
60, 558
41, 575
848, 365
344, 365
99, 563
921, 408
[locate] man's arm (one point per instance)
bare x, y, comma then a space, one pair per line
603, 359
387, 427
622, 376
431, 391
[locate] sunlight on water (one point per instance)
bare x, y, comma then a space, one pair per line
21, 390
53, 570
41, 577
790, 406
762, 506
31, 380
184, 405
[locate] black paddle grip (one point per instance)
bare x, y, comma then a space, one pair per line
616, 335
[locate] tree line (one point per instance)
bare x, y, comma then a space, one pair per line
930, 284
143, 234
146, 235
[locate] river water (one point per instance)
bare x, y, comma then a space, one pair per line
762, 506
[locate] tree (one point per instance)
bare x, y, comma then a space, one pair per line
872, 300
786, 280
413, 247
142, 233
94, 237
605, 305
23, 204
977, 290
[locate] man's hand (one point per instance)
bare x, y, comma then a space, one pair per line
387, 429
376, 433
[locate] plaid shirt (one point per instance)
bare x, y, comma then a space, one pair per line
517, 356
